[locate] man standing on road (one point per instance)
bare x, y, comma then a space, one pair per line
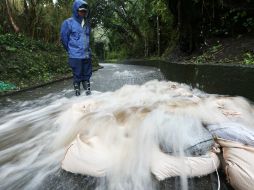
75, 37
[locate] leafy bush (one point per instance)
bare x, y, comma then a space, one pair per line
114, 55
6, 86
1, 30
25, 62
209, 55
19, 41
248, 58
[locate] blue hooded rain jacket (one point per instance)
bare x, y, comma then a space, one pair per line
74, 37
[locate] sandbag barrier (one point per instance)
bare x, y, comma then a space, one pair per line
124, 136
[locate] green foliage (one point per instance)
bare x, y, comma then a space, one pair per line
25, 62
132, 22
249, 24
1, 30
197, 20
159, 7
11, 49
132, 27
248, 58
6, 86
116, 55
216, 54
236, 20
215, 49
209, 55
13, 42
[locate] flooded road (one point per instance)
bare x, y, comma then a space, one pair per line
110, 78
28, 127
32, 124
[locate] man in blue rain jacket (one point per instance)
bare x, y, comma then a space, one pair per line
75, 37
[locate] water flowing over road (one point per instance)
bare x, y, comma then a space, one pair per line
110, 78
134, 117
27, 127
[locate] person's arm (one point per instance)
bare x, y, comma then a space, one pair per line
65, 35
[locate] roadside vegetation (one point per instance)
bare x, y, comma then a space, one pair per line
25, 62
233, 51
182, 31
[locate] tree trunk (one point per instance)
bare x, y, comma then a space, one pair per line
15, 27
146, 37
158, 36
146, 46
135, 29
25, 7
179, 15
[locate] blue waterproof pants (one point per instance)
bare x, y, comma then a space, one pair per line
81, 69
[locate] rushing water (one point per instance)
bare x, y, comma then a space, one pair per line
215, 79
28, 126
37, 126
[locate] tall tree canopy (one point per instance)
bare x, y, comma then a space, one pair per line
134, 27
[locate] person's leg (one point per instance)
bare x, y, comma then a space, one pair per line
87, 75
86, 86
75, 65
88, 69
82, 70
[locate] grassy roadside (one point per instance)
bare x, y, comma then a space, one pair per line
220, 51
26, 63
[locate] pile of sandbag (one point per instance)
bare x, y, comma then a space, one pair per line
171, 131
239, 164
92, 157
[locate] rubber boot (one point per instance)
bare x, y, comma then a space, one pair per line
86, 86
77, 89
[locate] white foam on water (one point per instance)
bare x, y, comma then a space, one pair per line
131, 123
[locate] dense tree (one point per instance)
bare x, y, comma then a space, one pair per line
135, 27
197, 19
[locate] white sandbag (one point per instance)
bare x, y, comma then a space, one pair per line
239, 160
88, 158
233, 131
91, 157
165, 166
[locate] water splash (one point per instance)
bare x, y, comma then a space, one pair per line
132, 123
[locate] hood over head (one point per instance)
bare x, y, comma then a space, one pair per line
76, 5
